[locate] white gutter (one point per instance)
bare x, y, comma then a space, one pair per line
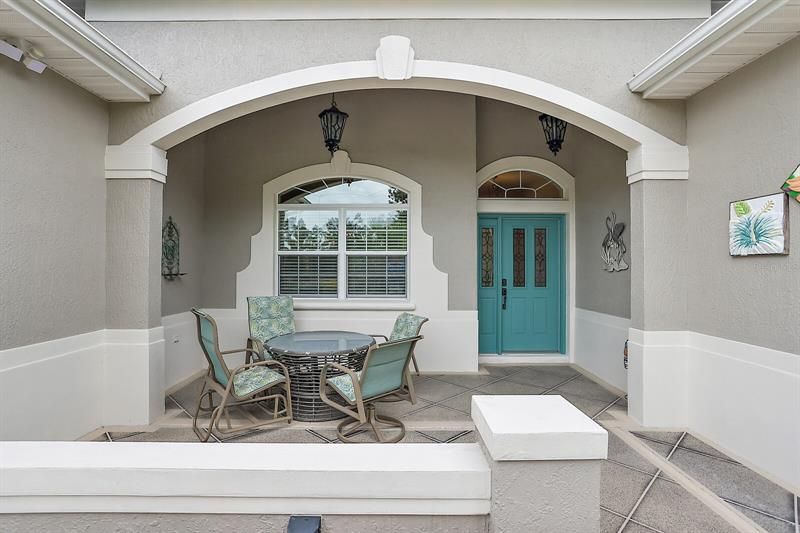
719, 29
69, 28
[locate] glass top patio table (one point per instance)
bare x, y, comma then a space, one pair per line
319, 343
305, 354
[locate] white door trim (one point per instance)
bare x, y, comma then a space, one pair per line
566, 207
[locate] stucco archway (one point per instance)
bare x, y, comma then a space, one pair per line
651, 155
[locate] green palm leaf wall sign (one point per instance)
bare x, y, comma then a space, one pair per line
759, 226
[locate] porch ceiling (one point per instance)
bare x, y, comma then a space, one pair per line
77, 51
734, 36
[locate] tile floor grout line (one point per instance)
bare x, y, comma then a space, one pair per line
190, 416
726, 511
698, 452
607, 407
458, 436
759, 511
431, 437
503, 378
629, 467
320, 436
441, 404
638, 523
649, 485
551, 389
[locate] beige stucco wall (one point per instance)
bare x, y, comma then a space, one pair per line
214, 186
592, 58
427, 136
601, 185
52, 207
744, 139
184, 201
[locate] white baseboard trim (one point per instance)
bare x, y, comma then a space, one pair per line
739, 396
95, 477
183, 357
523, 359
104, 377
599, 344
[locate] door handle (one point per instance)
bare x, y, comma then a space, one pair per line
504, 292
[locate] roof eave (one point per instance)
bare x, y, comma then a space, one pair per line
66, 26
715, 32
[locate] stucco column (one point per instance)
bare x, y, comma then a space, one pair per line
659, 264
134, 370
545, 456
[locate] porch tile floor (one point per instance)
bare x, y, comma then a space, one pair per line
636, 495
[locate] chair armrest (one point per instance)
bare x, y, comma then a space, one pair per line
257, 346
267, 362
240, 350
323, 377
376, 336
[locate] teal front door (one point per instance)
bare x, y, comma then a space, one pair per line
521, 284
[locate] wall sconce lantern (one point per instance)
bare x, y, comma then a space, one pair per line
332, 121
554, 131
171, 251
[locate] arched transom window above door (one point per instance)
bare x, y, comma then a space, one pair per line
343, 238
516, 184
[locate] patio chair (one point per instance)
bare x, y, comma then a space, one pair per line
406, 325
244, 385
382, 375
268, 317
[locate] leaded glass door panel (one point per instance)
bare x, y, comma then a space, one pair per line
521, 296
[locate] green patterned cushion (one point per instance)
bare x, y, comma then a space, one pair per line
270, 316
406, 325
344, 385
252, 379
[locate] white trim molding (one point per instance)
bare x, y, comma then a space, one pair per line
245, 478
127, 80
684, 69
613, 126
136, 162
739, 396
599, 343
566, 207
102, 378
185, 10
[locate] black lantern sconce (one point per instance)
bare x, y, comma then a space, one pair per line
332, 121
554, 131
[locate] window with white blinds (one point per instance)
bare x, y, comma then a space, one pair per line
343, 238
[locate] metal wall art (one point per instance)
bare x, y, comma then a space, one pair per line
614, 246
170, 251
759, 226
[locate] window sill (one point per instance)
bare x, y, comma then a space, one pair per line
304, 304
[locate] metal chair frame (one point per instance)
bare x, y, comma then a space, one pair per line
228, 397
365, 413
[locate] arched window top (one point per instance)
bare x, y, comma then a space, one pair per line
520, 184
343, 190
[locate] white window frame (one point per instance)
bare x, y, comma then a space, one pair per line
342, 253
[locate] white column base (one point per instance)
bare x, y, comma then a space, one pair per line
133, 377
657, 377
741, 397
65, 388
